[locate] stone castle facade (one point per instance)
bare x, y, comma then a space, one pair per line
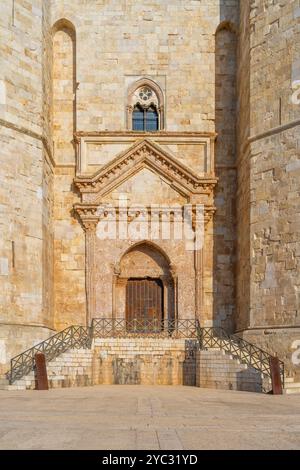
153, 102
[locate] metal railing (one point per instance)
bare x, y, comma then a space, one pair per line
246, 352
123, 328
81, 337
71, 337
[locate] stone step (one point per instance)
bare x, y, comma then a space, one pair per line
290, 391
289, 380
4, 382
293, 385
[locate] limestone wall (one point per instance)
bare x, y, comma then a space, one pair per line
115, 44
275, 166
69, 254
81, 84
243, 172
269, 170
26, 178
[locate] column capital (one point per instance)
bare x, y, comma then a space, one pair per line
89, 225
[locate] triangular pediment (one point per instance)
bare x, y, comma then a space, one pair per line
142, 155
146, 187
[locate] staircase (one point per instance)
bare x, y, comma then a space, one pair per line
219, 370
114, 351
72, 368
243, 351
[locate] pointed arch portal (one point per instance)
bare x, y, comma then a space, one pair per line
145, 287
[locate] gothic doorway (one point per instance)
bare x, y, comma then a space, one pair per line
144, 304
144, 289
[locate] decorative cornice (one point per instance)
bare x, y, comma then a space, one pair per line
91, 214
86, 210
162, 133
32, 134
209, 212
144, 153
274, 130
88, 216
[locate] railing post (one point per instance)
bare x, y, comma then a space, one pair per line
200, 336
275, 376
41, 377
91, 331
10, 374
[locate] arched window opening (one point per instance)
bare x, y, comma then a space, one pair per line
145, 107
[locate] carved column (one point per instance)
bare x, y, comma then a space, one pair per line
90, 235
174, 286
201, 270
199, 282
166, 294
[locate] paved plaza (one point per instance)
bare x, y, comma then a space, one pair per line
141, 417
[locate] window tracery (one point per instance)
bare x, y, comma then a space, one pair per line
145, 107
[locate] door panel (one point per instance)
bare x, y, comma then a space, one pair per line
144, 302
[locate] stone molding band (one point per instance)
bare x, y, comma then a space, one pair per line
274, 130
30, 133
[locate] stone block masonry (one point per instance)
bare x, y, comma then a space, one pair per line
144, 361
217, 370
224, 72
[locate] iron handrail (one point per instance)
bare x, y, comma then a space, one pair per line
121, 327
239, 348
71, 337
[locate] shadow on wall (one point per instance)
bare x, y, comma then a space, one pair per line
249, 380
171, 368
189, 364
127, 372
225, 163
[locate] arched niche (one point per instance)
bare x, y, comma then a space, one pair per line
64, 90
227, 25
225, 91
225, 160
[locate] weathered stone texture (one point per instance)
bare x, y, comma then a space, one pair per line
26, 177
224, 69
268, 175
143, 361
217, 370
268, 168
243, 173
118, 42
224, 231
69, 254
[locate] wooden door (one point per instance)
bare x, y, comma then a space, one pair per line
144, 304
